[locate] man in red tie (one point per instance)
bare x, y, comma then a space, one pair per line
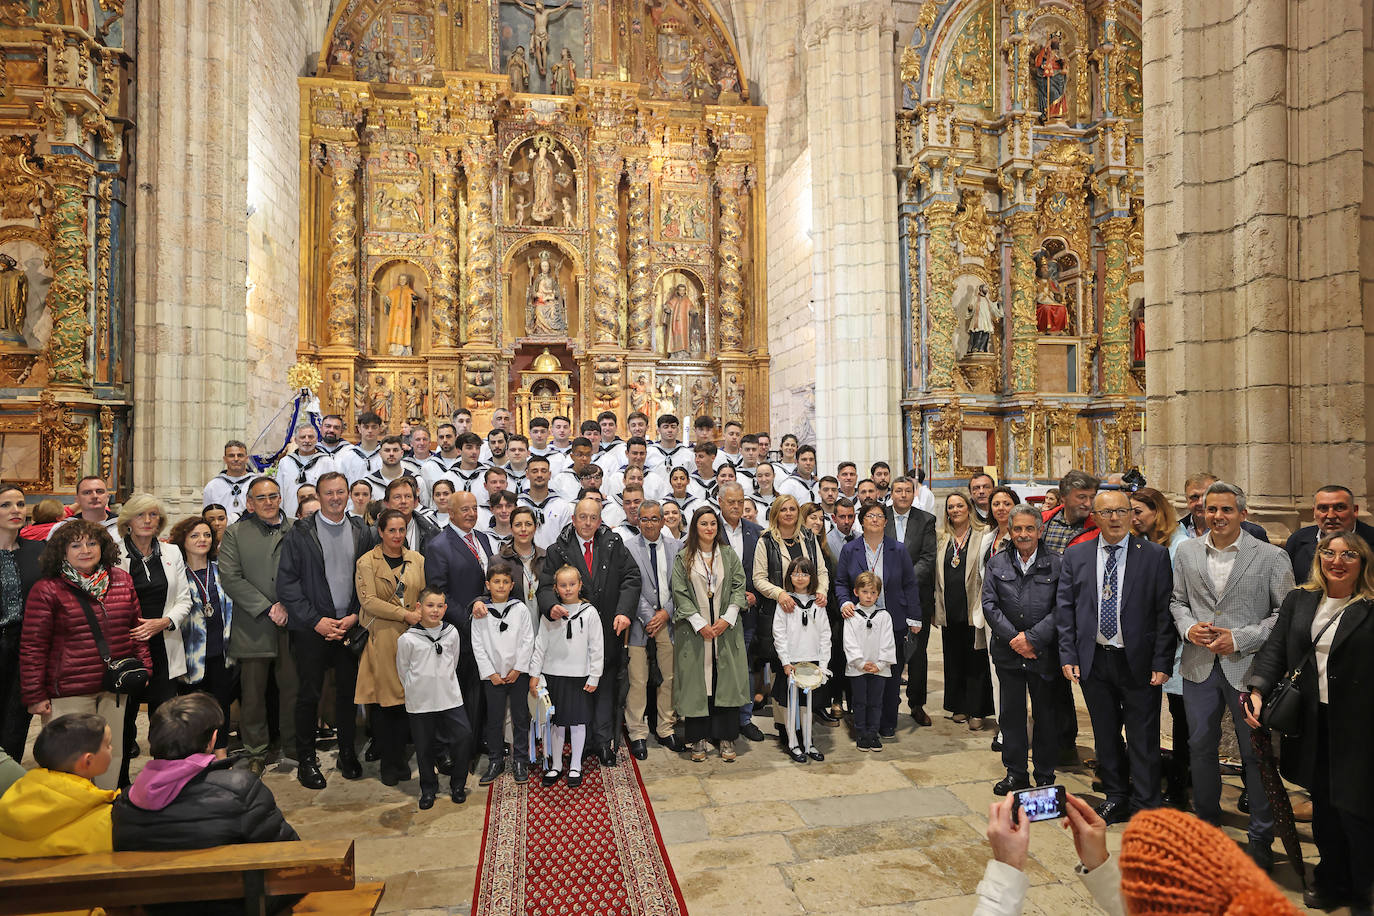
611, 584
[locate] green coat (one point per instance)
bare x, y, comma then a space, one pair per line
248, 559
689, 649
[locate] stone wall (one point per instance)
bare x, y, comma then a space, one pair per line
1257, 226
791, 315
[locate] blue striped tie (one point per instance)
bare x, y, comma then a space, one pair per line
1108, 610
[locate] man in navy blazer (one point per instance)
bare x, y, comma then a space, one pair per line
743, 536
1116, 640
901, 595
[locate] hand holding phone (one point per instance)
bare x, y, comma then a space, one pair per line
1042, 803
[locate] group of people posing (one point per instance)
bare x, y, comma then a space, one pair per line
637, 586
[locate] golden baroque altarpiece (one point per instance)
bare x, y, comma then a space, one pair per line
1020, 150
64, 125
555, 207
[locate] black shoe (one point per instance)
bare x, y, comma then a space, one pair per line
1243, 803
389, 776
874, 744
861, 742
521, 770
1114, 812
751, 731
550, 777
349, 767
890, 733
308, 774
607, 756
1042, 781
426, 801
672, 743
815, 754
1316, 899
824, 715
1009, 784
1261, 855
797, 754
1177, 800
574, 780
370, 753
639, 748
459, 795
1068, 757
997, 741
133, 750
494, 768
443, 763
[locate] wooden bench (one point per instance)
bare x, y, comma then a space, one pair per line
123, 882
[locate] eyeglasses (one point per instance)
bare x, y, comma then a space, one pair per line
1349, 556
1112, 513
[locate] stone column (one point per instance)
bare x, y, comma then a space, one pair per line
641, 290
445, 286
939, 216
1025, 366
732, 180
606, 164
71, 285
479, 152
343, 245
1116, 308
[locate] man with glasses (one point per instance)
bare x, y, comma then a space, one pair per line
1228, 586
258, 642
1116, 640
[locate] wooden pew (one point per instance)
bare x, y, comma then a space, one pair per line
125, 881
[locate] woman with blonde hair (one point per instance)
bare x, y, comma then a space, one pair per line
959, 611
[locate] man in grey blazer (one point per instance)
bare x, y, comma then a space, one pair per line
654, 551
1228, 586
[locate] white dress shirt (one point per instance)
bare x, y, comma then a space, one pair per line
1220, 562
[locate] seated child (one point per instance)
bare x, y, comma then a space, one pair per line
502, 643
568, 651
870, 651
56, 810
801, 636
427, 661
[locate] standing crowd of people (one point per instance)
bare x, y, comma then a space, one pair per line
450, 584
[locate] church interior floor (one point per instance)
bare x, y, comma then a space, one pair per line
901, 831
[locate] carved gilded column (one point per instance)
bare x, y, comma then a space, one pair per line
939, 216
1116, 306
607, 161
342, 296
1025, 369
641, 306
732, 186
445, 286
479, 155
67, 298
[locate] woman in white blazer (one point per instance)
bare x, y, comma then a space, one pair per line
164, 598
959, 612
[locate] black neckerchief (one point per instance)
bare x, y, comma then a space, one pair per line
578, 617
500, 613
868, 618
438, 649
804, 605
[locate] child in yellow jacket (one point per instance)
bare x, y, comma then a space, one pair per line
57, 810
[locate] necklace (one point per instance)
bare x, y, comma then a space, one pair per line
959, 543
709, 562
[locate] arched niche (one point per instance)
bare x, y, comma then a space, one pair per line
543, 169
674, 317
1058, 265
963, 62
387, 297
545, 286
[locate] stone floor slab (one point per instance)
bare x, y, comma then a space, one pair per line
878, 806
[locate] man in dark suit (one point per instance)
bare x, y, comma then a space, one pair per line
900, 595
611, 584
1335, 509
1116, 640
915, 529
319, 556
743, 536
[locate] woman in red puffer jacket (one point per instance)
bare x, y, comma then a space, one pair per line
60, 668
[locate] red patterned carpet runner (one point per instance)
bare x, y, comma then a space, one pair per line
590, 851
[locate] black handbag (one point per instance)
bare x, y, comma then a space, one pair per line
355, 640
125, 675
1282, 710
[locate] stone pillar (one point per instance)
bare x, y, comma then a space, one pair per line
343, 245
1025, 365
641, 289
940, 324
1115, 353
851, 103
606, 164
479, 153
731, 189
68, 297
445, 286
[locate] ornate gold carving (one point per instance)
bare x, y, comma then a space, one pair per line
15, 368
71, 283
940, 326
944, 432
910, 67
1116, 333
705, 394
343, 238
930, 11
968, 75
1135, 239
1024, 365
64, 437
980, 377
973, 228
732, 180
22, 186
605, 244
478, 155
104, 195
481, 381
641, 287
106, 443
445, 285
1063, 206
337, 393
303, 376
606, 382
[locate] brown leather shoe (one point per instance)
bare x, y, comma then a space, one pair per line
921, 717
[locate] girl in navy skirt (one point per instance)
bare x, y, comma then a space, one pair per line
568, 655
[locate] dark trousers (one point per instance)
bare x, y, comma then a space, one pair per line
1177, 773
866, 698
1117, 699
606, 701
498, 698
749, 618
160, 689
1207, 702
1345, 840
892, 685
390, 733
221, 682
447, 729
917, 670
314, 656
1065, 713
14, 715
1014, 685
968, 676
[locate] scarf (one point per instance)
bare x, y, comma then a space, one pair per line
95, 585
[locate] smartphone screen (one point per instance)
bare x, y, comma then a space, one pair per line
1043, 803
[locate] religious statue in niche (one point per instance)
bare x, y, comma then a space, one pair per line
14, 298
683, 218
380, 399
667, 393
564, 74
545, 307
343, 52
543, 184
704, 392
541, 171
1138, 332
980, 310
397, 205
413, 397
682, 322
518, 67
1050, 79
539, 34
442, 400
1051, 311
398, 308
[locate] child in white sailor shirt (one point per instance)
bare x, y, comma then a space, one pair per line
801, 636
568, 653
427, 660
503, 646
870, 651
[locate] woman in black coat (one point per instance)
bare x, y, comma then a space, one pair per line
18, 572
1332, 753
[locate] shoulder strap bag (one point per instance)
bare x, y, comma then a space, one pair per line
124, 675
1282, 710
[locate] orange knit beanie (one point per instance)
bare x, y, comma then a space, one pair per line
1173, 863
